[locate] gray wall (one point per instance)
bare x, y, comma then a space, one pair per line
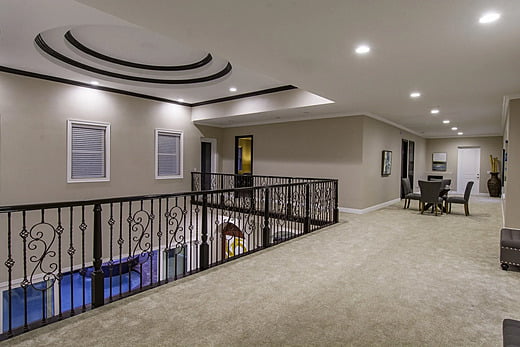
488, 146
33, 141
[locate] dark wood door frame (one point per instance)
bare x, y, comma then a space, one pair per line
237, 138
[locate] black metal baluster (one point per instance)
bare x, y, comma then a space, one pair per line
9, 263
83, 227
59, 230
111, 222
71, 252
159, 252
25, 282
266, 231
194, 244
204, 247
138, 256
185, 211
98, 282
211, 237
152, 217
167, 243
129, 258
44, 292
307, 221
120, 242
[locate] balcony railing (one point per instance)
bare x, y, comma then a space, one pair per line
64, 258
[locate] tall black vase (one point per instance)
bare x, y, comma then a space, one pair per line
494, 185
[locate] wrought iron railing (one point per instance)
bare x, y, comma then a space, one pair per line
64, 258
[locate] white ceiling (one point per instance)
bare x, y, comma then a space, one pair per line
22, 20
434, 46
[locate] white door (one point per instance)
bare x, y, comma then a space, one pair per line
468, 169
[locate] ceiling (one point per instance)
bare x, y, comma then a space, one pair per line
437, 47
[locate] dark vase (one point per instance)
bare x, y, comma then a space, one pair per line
494, 185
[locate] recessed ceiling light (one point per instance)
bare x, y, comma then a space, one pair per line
232, 89
489, 17
180, 100
446, 121
94, 83
454, 128
415, 94
434, 111
460, 133
362, 49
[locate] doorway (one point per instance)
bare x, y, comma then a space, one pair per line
407, 162
468, 168
244, 161
208, 161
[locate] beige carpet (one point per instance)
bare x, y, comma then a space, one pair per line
390, 277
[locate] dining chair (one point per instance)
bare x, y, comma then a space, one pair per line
408, 192
430, 195
460, 199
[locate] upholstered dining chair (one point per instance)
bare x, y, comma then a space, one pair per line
430, 195
408, 192
460, 199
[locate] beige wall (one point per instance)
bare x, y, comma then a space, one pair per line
488, 146
379, 136
319, 148
346, 148
512, 184
33, 141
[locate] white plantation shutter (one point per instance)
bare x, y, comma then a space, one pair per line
88, 151
168, 152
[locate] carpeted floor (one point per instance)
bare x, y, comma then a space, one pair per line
390, 277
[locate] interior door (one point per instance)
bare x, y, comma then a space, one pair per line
404, 163
407, 162
468, 169
411, 162
205, 165
244, 160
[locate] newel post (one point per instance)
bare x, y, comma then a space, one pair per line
307, 220
204, 246
266, 237
336, 209
289, 198
98, 282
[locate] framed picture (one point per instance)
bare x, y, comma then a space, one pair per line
439, 160
386, 165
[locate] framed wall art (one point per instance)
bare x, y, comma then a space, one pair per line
439, 160
386, 164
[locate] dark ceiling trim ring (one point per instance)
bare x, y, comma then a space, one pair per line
74, 42
139, 95
87, 85
47, 49
245, 95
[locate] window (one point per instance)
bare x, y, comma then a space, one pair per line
88, 151
168, 154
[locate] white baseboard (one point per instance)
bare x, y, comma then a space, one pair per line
369, 209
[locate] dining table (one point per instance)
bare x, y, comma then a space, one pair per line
443, 193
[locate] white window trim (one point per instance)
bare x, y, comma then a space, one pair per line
181, 155
72, 122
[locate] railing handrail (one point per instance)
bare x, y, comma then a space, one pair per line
156, 237
75, 203
266, 176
